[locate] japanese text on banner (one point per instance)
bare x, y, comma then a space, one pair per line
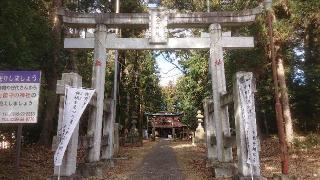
76, 100
249, 118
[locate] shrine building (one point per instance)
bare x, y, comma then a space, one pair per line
167, 125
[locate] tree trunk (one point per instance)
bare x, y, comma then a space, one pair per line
51, 78
71, 65
285, 102
283, 88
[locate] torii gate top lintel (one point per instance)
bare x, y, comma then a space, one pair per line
159, 20
175, 20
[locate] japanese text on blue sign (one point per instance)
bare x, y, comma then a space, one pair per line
19, 96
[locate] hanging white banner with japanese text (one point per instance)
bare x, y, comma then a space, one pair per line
19, 96
246, 88
76, 101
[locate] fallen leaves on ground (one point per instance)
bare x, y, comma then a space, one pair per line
37, 161
128, 159
192, 160
303, 163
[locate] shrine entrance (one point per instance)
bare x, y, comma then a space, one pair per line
158, 21
166, 125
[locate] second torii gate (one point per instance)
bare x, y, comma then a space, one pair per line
159, 20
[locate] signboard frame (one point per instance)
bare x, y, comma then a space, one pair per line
19, 96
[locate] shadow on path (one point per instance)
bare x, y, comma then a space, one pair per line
159, 164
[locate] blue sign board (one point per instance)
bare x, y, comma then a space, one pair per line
19, 96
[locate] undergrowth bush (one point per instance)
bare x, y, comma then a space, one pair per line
309, 141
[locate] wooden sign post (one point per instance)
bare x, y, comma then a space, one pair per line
19, 91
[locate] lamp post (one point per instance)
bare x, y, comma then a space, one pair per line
278, 106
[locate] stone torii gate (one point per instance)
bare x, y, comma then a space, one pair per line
158, 20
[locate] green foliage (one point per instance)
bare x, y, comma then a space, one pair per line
194, 86
149, 80
307, 142
255, 60
171, 101
27, 43
25, 35
306, 63
89, 6
140, 91
184, 5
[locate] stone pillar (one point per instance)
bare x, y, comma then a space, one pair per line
68, 167
221, 117
193, 138
173, 133
110, 128
246, 129
199, 134
98, 80
105, 154
116, 139
153, 130
210, 131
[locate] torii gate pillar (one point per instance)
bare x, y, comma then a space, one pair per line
221, 116
98, 81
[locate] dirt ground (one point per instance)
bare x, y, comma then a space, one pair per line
192, 160
159, 164
36, 161
304, 158
129, 158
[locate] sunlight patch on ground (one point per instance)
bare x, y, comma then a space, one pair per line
192, 160
182, 146
271, 168
4, 145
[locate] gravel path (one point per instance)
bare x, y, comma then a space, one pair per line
159, 164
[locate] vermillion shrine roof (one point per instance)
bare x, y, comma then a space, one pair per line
166, 120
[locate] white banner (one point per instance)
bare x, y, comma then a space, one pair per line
249, 118
75, 103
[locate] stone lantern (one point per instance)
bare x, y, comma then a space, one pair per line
200, 118
134, 134
267, 4
200, 134
134, 122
